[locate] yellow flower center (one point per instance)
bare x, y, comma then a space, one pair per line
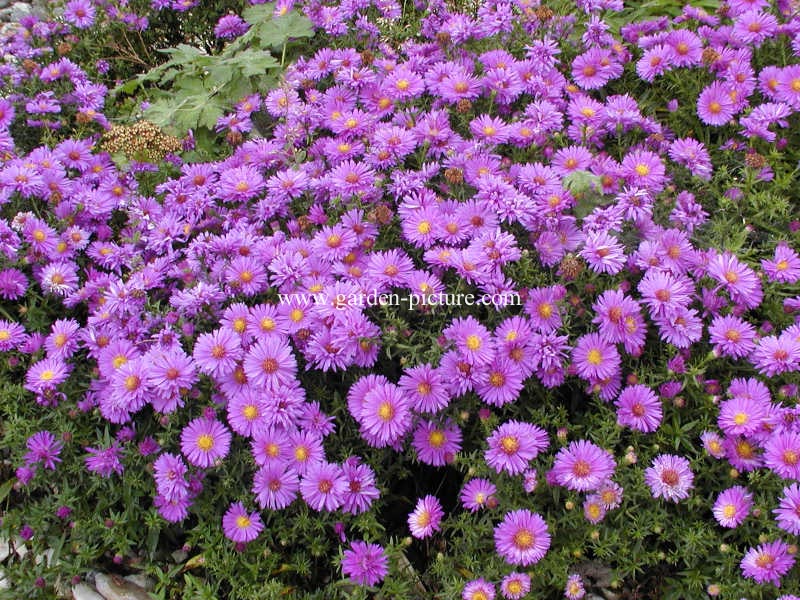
205, 442
386, 411
509, 444
131, 383
473, 342
436, 438
581, 468
243, 521
594, 357
523, 539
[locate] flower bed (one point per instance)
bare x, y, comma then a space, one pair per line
442, 301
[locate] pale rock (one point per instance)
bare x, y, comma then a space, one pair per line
84, 592
112, 587
143, 581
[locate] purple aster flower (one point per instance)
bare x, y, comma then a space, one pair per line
669, 477
240, 526
270, 363
714, 104
595, 358
515, 585
574, 589
522, 538
271, 445
662, 291
785, 265
44, 448
11, 335
169, 472
104, 461
712, 443
275, 486
361, 490
216, 353
787, 514
436, 445
478, 589
693, 155
247, 412
386, 415
13, 284
639, 408
205, 441
732, 336
365, 564
776, 354
230, 26
742, 453
323, 486
768, 562
80, 13
305, 448
603, 253
732, 506
426, 517
471, 338
782, 454
477, 494
582, 466
737, 278
513, 445
742, 415
594, 510
501, 384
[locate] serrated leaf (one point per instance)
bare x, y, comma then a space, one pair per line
256, 62
580, 181
294, 25
209, 115
258, 13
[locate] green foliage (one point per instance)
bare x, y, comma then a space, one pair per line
193, 88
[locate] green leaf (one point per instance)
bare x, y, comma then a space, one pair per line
5, 489
258, 13
294, 25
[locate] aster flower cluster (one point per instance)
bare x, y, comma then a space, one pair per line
213, 298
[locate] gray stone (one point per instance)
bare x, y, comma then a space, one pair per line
20, 10
112, 587
84, 592
143, 581
5, 549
